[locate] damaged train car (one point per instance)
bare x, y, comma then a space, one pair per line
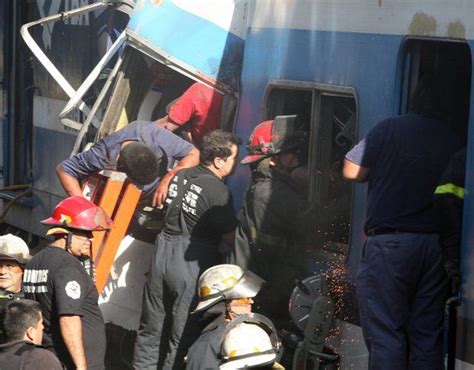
84, 69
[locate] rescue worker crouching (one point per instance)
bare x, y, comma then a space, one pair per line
200, 215
225, 291
23, 324
250, 341
225, 294
14, 254
274, 215
73, 323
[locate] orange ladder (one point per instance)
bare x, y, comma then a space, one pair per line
118, 198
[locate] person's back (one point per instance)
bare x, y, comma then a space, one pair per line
22, 355
200, 107
205, 205
406, 156
401, 285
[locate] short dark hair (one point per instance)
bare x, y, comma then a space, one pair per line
217, 144
18, 316
139, 162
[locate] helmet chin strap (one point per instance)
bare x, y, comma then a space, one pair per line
68, 241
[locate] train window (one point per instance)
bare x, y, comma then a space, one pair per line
329, 116
450, 63
145, 88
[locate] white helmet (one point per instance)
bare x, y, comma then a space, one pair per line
223, 282
13, 248
249, 341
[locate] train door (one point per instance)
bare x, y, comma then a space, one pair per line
450, 64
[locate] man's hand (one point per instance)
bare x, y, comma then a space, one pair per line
161, 192
71, 331
190, 160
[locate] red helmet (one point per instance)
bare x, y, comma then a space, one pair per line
80, 214
272, 137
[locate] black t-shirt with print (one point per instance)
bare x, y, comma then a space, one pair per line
59, 282
206, 203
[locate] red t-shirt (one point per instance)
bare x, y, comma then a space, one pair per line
199, 105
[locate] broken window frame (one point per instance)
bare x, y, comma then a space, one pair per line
318, 184
318, 91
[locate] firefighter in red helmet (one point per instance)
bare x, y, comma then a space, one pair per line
272, 217
55, 277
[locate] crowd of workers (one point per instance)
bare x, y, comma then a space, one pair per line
196, 311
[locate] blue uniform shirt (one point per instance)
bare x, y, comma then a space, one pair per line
406, 156
166, 145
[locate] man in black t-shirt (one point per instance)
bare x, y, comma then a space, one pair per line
200, 214
74, 327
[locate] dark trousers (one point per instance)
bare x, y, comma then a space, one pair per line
169, 296
401, 289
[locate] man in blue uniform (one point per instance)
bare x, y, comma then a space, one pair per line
143, 150
401, 284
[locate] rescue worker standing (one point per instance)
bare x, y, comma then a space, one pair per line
73, 323
200, 214
225, 291
273, 214
401, 284
14, 254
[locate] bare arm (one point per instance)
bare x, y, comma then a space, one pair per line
354, 172
71, 331
70, 184
190, 160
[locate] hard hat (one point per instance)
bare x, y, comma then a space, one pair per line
249, 341
272, 137
13, 248
80, 214
223, 282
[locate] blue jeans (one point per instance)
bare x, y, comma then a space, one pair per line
401, 290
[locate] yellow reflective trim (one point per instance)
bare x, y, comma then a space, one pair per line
457, 191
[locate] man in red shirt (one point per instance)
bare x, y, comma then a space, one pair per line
200, 106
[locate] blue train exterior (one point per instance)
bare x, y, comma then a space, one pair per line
361, 57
